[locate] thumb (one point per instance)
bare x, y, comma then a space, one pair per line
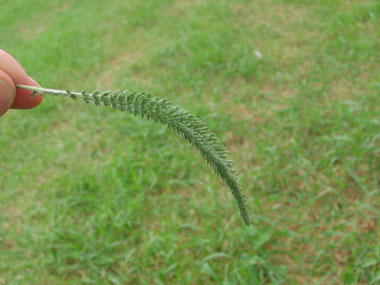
7, 92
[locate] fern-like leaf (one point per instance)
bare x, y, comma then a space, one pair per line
182, 122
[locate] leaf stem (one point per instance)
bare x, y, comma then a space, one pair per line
42, 90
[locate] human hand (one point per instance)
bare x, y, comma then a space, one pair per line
12, 73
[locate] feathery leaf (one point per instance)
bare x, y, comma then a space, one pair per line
182, 122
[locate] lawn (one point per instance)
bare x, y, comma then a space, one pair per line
291, 87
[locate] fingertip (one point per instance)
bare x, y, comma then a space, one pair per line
23, 99
7, 92
13, 68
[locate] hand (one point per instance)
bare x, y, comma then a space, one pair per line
11, 73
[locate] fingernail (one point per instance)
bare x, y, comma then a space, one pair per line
6, 97
34, 81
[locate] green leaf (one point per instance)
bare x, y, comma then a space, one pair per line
161, 110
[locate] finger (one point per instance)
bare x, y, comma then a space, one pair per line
10, 66
23, 99
7, 92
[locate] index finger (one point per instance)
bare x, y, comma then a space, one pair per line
10, 66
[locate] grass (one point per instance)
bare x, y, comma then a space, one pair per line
94, 196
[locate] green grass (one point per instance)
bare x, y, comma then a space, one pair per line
89, 195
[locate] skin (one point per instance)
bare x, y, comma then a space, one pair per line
12, 73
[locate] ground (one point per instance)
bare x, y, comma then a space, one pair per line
90, 195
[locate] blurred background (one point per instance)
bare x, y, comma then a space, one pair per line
291, 87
